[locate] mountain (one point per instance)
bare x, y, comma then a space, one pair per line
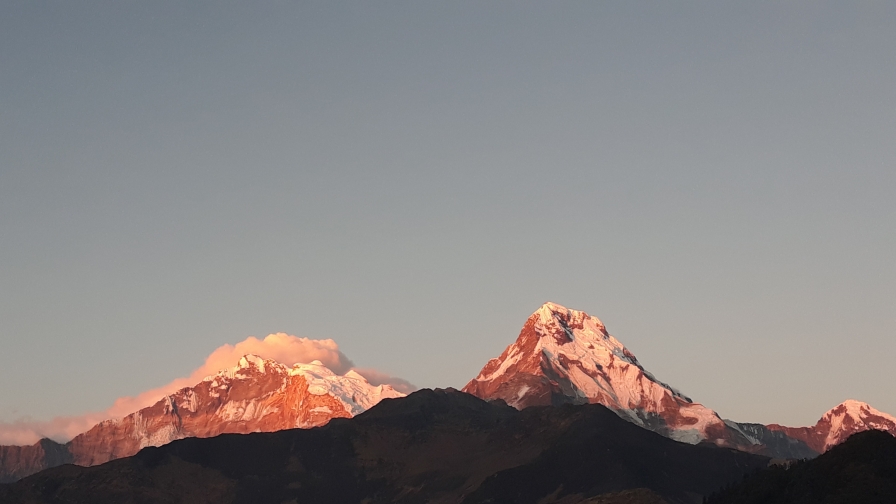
838, 424
437, 446
254, 396
567, 356
861, 470
20, 461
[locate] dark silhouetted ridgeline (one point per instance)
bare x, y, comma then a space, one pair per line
861, 470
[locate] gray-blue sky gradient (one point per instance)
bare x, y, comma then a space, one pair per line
715, 181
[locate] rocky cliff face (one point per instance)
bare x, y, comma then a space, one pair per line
257, 395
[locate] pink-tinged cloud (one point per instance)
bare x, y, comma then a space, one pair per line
280, 347
28, 432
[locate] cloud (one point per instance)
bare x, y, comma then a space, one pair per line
280, 347
379, 378
28, 432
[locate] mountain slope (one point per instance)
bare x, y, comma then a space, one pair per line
256, 395
433, 446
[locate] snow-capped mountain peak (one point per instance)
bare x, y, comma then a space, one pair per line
564, 355
251, 360
852, 416
247, 366
255, 395
568, 356
852, 410
838, 423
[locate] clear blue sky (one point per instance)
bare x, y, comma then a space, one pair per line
716, 181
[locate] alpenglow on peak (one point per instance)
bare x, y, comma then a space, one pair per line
567, 356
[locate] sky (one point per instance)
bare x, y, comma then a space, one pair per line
716, 181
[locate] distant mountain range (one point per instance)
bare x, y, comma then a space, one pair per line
561, 357
433, 446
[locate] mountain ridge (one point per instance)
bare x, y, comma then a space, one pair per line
561, 356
